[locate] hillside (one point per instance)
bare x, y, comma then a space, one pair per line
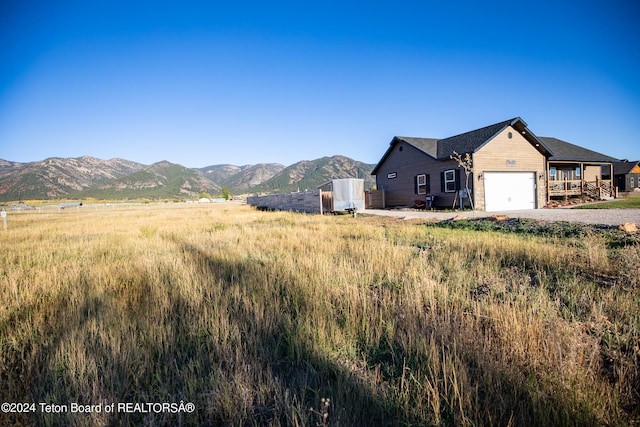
59, 177
309, 174
241, 178
84, 177
159, 180
220, 173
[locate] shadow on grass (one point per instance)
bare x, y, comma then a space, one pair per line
266, 375
182, 364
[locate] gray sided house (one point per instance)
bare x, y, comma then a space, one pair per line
627, 175
511, 169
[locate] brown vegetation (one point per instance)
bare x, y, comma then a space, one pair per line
276, 318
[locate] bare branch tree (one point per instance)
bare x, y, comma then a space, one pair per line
465, 162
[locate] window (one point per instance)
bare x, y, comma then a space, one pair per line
632, 182
578, 172
450, 181
552, 174
422, 184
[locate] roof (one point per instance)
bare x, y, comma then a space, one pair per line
468, 142
427, 145
624, 167
562, 150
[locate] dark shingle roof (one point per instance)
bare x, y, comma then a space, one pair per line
428, 145
562, 150
469, 142
623, 168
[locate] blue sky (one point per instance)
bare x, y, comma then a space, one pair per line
244, 82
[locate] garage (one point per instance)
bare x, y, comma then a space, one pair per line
508, 191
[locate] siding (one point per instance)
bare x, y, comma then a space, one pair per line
406, 162
591, 173
636, 181
504, 154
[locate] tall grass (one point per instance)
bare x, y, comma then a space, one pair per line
275, 318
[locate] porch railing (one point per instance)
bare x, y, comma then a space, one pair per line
599, 189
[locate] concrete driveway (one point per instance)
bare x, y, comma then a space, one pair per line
588, 216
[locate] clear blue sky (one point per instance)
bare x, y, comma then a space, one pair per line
245, 82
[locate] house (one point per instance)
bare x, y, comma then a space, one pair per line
511, 169
626, 175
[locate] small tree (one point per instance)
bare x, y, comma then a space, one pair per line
225, 193
465, 162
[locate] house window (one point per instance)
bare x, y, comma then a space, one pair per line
552, 174
632, 182
422, 184
578, 172
450, 181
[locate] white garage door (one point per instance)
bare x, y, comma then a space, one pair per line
508, 191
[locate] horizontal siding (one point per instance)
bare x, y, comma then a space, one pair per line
407, 162
504, 154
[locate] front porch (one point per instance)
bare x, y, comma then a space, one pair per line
599, 189
580, 179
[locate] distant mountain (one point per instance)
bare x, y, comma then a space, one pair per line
220, 173
241, 178
88, 177
58, 177
309, 174
159, 180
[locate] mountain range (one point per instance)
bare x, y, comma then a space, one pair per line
89, 177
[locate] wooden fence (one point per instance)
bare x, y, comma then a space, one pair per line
374, 199
305, 201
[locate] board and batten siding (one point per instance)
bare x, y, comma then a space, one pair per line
508, 154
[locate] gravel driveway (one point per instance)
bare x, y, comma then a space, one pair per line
588, 216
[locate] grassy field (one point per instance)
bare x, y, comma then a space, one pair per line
630, 201
275, 318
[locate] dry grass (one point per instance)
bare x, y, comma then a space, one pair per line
274, 318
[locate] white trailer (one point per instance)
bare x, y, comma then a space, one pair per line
347, 195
